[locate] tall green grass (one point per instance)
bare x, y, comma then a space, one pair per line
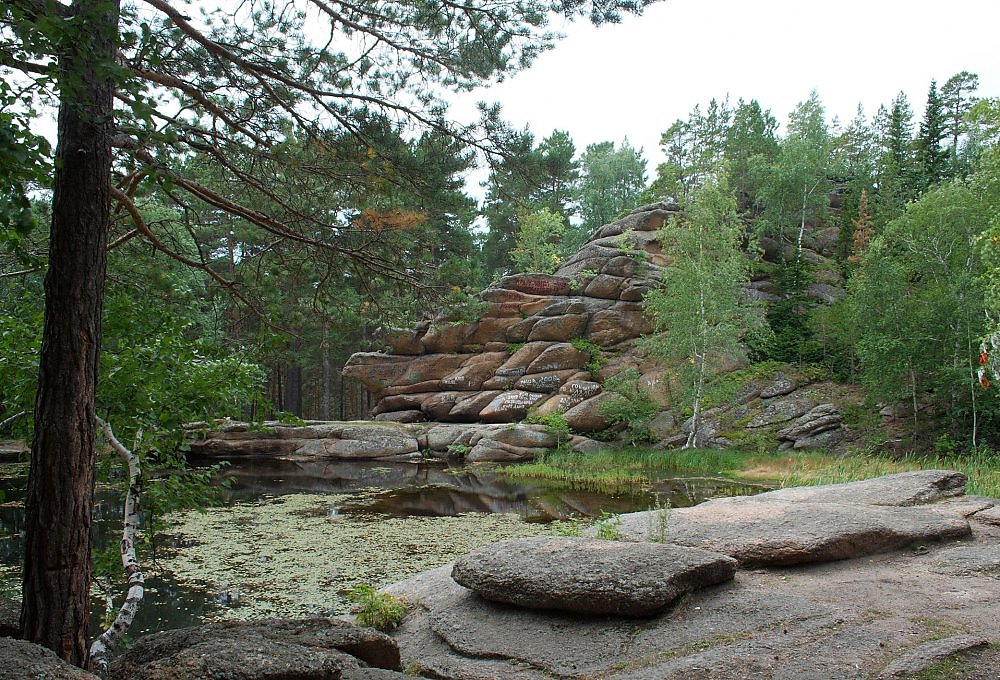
624, 470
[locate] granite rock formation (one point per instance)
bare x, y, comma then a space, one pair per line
533, 347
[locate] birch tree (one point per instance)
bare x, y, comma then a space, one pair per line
700, 314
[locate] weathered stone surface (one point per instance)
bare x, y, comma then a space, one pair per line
582, 389
20, 659
605, 286
414, 388
589, 576
546, 383
308, 648
537, 284
10, 617
787, 532
904, 488
818, 419
489, 450
559, 328
444, 338
377, 371
518, 362
430, 367
779, 387
406, 340
559, 403
474, 372
509, 406
990, 516
558, 357
782, 409
922, 656
468, 409
968, 559
662, 424
439, 405
586, 416
615, 325
410, 416
825, 292
850, 620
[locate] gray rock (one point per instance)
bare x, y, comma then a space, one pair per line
10, 617
904, 488
968, 559
818, 419
20, 659
785, 532
258, 650
778, 388
590, 576
920, 657
824, 440
410, 416
782, 409
990, 515
825, 292
662, 424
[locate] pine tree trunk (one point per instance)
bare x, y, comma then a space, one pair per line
56, 594
324, 409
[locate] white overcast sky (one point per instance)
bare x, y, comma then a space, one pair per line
635, 78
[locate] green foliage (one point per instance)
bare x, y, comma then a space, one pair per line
612, 181
595, 353
656, 532
460, 450
919, 303
555, 423
699, 313
720, 389
633, 409
608, 527
537, 246
25, 165
376, 610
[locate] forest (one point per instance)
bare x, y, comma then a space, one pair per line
231, 210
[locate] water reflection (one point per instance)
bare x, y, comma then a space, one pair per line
370, 490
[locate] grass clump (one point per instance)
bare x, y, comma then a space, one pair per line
376, 610
621, 470
555, 424
628, 469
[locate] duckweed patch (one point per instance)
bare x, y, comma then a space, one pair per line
297, 556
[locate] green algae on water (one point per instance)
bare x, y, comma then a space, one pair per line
296, 555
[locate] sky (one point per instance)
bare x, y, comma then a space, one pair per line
636, 78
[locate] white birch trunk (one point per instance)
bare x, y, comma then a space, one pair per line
109, 639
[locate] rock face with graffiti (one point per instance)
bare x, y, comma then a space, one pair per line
547, 344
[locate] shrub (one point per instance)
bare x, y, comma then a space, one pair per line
634, 410
555, 423
376, 610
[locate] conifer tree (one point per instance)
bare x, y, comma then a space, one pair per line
932, 160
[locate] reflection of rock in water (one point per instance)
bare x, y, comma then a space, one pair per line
444, 491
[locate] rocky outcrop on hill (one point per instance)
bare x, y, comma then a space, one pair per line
545, 343
533, 347
895, 613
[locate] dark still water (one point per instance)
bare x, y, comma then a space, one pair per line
294, 537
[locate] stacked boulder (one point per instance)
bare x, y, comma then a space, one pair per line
533, 348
